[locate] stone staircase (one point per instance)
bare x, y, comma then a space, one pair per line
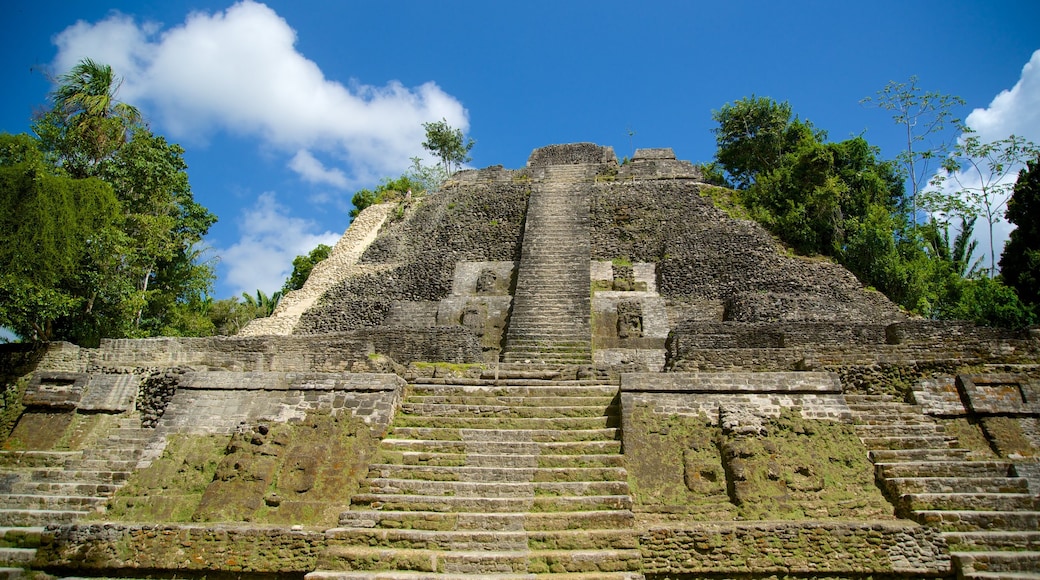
56, 487
987, 513
507, 479
549, 322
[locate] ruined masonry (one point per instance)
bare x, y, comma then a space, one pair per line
577, 369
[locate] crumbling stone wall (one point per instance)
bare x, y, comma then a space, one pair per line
778, 549
417, 255
704, 254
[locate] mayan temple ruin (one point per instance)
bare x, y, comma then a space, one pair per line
578, 369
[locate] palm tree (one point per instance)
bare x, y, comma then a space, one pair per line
263, 304
959, 251
85, 102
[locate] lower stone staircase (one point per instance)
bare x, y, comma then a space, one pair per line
56, 487
506, 478
987, 513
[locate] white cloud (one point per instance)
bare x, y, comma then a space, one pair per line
1015, 111
239, 71
312, 170
269, 240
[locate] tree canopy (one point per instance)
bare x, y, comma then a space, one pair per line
101, 230
448, 144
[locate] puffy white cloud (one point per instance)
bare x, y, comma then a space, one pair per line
1015, 111
312, 170
269, 240
239, 71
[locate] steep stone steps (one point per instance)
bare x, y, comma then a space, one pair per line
519, 423
523, 410
942, 469
518, 434
474, 474
45, 487
493, 481
549, 319
546, 449
986, 512
998, 564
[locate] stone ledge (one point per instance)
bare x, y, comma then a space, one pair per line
734, 382
180, 548
796, 547
289, 381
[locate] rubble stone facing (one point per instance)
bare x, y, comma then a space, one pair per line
783, 548
198, 548
417, 255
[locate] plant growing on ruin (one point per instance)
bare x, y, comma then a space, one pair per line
448, 144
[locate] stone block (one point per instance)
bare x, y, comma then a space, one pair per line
58, 390
110, 393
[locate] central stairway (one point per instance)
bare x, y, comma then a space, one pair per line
549, 322
506, 478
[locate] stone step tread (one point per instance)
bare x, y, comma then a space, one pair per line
1002, 560
519, 411
972, 520
873, 430
17, 555
493, 489
978, 502
965, 484
404, 575
503, 447
992, 540
493, 504
491, 387
601, 402
80, 476
46, 501
63, 487
477, 474
508, 435
507, 460
31, 517
928, 468
624, 536
508, 423
499, 521
918, 454
1000, 575
908, 443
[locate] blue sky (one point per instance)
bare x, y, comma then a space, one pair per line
286, 108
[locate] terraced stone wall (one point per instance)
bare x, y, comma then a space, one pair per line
414, 257
813, 549
188, 548
703, 254
328, 353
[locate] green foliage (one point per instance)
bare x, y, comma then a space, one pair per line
263, 304
957, 252
388, 190
923, 116
229, 316
978, 171
1020, 261
302, 266
753, 136
50, 225
448, 144
102, 211
989, 302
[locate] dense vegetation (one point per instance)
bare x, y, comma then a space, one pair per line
838, 199
99, 226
